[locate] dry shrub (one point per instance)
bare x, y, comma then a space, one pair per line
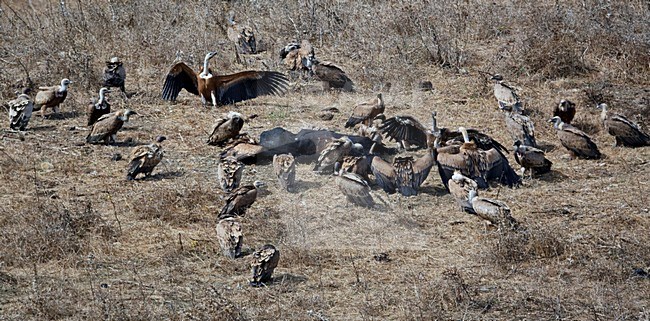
442, 297
47, 229
178, 204
535, 242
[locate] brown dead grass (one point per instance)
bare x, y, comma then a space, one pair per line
80, 242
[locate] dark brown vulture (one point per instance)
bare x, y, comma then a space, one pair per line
145, 158
330, 74
566, 110
576, 141
240, 199
115, 74
226, 128
366, 112
284, 167
230, 237
531, 159
405, 175
51, 96
505, 94
519, 127
222, 89
355, 189
20, 110
627, 133
459, 187
476, 163
98, 108
263, 263
494, 211
229, 173
107, 126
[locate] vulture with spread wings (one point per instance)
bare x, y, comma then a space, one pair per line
222, 89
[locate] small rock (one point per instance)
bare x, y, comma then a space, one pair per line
381, 257
116, 157
425, 85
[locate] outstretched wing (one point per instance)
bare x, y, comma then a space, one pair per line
384, 174
405, 128
180, 76
250, 84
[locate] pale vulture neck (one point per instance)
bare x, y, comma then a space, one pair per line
603, 113
63, 88
465, 135
101, 97
205, 73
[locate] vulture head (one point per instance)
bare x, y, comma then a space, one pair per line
259, 184
65, 82
602, 106
497, 77
160, 139
564, 105
125, 114
557, 121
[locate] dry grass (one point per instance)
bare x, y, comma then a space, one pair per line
80, 242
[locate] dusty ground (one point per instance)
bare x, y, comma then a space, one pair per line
79, 242
105, 247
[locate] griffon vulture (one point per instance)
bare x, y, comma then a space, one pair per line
531, 159
240, 199
355, 189
107, 126
264, 261
520, 127
51, 96
494, 211
627, 133
145, 158
230, 237
98, 108
222, 89
459, 187
284, 167
505, 94
405, 174
226, 128
576, 141
229, 173
366, 112
20, 110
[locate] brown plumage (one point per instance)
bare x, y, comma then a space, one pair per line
366, 112
99, 107
230, 237
576, 141
20, 110
406, 130
226, 128
566, 110
296, 57
229, 173
243, 148
51, 96
222, 89
531, 159
476, 163
494, 211
114, 74
284, 167
355, 189
333, 152
354, 164
625, 132
145, 158
242, 36
405, 175
459, 187
263, 263
240, 199
107, 126
331, 75
506, 95
520, 127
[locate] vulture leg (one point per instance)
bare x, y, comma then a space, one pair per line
214, 99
